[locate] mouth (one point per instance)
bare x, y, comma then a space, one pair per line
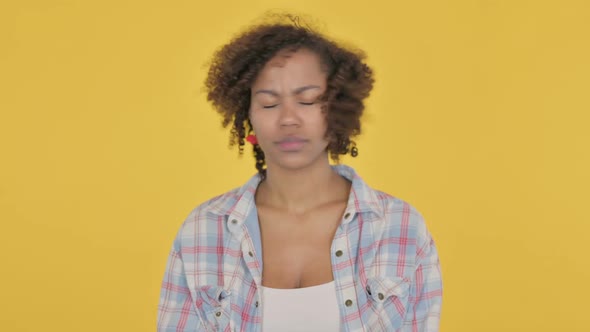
290, 144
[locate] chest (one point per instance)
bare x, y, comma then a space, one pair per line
363, 259
296, 248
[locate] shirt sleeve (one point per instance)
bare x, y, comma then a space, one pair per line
176, 311
426, 291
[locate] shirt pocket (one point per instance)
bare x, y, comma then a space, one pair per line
388, 297
213, 305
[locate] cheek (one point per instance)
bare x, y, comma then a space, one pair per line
254, 119
260, 126
321, 123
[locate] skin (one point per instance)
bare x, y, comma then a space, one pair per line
301, 201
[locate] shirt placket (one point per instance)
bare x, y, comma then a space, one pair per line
343, 269
240, 231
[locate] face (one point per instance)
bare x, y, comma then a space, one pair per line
284, 111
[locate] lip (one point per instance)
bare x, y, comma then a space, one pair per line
291, 143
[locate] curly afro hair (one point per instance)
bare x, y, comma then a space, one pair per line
235, 66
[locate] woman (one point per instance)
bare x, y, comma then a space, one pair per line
303, 245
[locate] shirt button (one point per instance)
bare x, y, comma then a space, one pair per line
347, 215
250, 254
348, 303
218, 313
256, 304
380, 296
234, 221
338, 253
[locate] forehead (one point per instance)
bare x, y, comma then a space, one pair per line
292, 67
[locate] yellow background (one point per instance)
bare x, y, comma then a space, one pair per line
479, 118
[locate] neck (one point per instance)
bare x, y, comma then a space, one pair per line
300, 190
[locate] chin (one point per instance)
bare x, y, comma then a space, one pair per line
296, 162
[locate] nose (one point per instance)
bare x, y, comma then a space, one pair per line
289, 115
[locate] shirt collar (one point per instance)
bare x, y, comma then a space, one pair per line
362, 198
237, 203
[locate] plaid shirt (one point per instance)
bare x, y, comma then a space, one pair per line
384, 261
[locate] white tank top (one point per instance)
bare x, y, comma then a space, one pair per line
307, 309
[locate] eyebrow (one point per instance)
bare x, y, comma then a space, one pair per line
295, 92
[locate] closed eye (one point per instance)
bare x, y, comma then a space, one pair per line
302, 103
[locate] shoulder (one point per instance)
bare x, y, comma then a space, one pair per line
392, 214
392, 205
203, 220
400, 216
216, 206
